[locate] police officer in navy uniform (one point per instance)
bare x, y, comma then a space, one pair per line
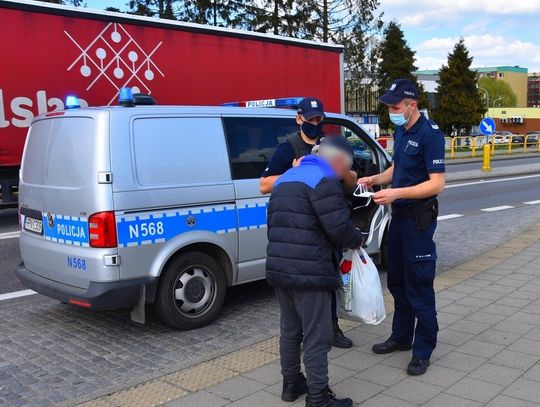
416, 177
289, 154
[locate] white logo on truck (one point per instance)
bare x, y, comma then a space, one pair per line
114, 57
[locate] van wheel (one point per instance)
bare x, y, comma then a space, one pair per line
191, 291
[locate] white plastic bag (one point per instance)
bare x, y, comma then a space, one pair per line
360, 297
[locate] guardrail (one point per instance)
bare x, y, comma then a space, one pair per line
468, 146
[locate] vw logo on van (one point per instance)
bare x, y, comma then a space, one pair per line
191, 221
50, 219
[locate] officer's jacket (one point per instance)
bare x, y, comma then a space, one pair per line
308, 225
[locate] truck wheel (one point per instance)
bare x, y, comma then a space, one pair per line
191, 291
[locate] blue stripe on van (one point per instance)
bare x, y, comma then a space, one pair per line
158, 227
67, 229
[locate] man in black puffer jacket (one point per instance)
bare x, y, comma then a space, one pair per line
308, 227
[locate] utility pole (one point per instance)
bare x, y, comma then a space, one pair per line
275, 17
215, 12
325, 20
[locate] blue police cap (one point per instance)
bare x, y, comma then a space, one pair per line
311, 107
398, 90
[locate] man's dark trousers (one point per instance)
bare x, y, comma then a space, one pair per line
411, 274
306, 317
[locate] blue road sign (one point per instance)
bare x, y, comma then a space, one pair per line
487, 126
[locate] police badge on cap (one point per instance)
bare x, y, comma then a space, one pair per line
311, 107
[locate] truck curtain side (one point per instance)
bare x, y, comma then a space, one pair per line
52, 51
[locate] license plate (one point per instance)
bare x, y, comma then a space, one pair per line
33, 225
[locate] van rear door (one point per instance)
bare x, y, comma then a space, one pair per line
64, 178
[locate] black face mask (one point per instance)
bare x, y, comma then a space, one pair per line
312, 131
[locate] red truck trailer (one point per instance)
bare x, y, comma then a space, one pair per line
50, 52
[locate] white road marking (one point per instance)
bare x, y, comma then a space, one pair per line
497, 208
532, 202
9, 235
451, 216
16, 294
489, 181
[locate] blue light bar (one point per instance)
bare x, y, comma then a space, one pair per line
287, 103
125, 97
72, 102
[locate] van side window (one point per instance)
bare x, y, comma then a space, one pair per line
179, 150
253, 140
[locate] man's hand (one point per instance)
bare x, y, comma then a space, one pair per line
366, 181
386, 196
296, 162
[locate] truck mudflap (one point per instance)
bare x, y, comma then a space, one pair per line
98, 296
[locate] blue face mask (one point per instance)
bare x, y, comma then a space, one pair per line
399, 118
312, 131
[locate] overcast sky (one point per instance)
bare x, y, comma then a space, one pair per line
497, 32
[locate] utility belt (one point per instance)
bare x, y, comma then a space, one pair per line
423, 211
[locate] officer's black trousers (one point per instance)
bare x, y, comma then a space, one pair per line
306, 318
411, 273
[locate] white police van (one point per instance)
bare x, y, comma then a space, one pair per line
135, 204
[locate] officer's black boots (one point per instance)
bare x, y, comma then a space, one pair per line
340, 340
389, 346
293, 387
417, 366
326, 398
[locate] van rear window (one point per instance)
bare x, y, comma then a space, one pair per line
69, 157
179, 150
35, 152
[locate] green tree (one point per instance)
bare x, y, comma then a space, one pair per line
500, 92
396, 60
142, 7
283, 17
459, 102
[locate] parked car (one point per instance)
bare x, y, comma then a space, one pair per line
533, 136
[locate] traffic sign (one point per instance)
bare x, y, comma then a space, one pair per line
487, 126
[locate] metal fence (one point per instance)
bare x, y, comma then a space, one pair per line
470, 147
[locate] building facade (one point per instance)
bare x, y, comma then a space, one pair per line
533, 90
515, 76
516, 120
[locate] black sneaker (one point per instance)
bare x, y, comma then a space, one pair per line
388, 347
293, 387
340, 340
417, 366
327, 398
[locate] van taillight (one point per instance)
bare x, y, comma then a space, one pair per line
102, 228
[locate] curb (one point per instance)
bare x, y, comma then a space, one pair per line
206, 374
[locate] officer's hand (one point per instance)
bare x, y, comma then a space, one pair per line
296, 162
385, 196
367, 181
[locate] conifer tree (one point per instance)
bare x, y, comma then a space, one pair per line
396, 60
460, 105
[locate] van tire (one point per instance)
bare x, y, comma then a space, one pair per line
199, 280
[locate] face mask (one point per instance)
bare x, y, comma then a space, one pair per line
399, 118
312, 131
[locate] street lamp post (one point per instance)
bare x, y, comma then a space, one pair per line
496, 100
487, 99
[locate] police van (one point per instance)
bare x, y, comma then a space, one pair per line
141, 204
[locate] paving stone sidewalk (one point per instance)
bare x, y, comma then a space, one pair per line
488, 352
